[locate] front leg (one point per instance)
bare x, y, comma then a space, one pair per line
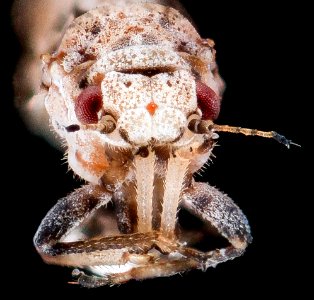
107, 259
217, 209
67, 215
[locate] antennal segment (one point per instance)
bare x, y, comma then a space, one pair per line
206, 126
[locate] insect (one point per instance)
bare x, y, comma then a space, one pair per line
132, 91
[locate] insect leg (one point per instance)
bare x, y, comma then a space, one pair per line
150, 270
166, 258
217, 209
66, 215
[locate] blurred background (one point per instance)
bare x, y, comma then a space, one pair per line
261, 52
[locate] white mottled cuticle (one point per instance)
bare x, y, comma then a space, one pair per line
137, 57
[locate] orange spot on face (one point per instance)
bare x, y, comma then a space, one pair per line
151, 107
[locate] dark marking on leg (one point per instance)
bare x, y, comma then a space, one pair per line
69, 212
217, 209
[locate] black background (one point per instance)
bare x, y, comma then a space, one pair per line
261, 53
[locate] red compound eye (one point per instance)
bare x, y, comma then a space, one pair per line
88, 104
208, 101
